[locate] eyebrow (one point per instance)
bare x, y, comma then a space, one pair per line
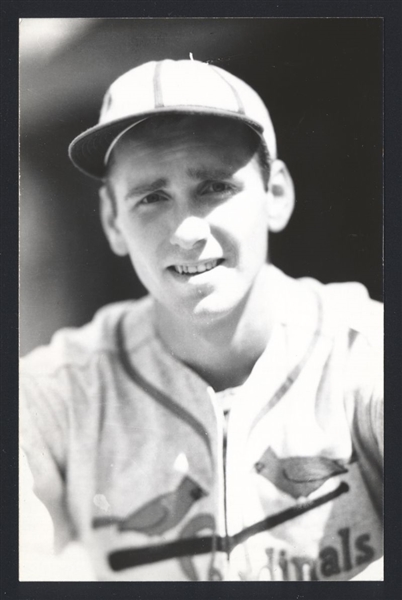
209, 173
199, 174
147, 187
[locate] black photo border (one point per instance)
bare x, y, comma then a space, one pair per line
11, 11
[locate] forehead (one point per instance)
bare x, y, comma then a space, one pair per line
173, 137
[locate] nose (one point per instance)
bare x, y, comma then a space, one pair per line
191, 231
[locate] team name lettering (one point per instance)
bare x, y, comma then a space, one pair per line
332, 560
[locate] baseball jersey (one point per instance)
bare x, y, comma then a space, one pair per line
162, 478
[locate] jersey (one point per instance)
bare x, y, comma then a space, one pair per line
133, 456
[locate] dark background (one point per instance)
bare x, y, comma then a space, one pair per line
322, 82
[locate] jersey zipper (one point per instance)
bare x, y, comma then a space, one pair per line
222, 456
225, 507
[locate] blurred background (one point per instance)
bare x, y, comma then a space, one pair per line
322, 82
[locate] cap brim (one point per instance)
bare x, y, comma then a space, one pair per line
87, 151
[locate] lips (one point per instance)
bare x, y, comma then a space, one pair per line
195, 269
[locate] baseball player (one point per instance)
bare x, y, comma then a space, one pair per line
228, 426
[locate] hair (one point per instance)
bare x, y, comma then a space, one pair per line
155, 124
264, 162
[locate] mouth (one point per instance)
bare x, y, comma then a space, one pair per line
191, 270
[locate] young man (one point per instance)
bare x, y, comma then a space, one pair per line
229, 425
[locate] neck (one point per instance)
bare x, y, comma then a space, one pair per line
224, 350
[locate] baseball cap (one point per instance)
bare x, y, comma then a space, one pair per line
168, 87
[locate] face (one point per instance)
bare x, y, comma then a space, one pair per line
191, 210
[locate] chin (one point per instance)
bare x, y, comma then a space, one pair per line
211, 309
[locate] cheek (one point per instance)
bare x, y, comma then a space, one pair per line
144, 240
243, 218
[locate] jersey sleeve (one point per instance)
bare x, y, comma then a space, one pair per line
367, 361
356, 321
366, 396
43, 440
352, 311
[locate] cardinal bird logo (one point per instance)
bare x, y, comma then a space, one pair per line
160, 514
299, 475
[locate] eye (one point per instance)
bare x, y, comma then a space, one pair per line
216, 187
152, 198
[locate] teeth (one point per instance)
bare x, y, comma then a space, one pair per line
207, 266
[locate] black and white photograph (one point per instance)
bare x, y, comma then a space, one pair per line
201, 299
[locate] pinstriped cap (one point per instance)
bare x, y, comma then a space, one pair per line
168, 87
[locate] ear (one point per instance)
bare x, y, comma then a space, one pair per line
108, 214
281, 196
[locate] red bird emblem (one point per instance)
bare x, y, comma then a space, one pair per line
299, 475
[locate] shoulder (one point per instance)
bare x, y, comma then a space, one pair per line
77, 347
348, 305
346, 320
353, 323
341, 307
